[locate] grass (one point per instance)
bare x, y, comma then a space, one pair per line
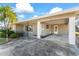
2, 41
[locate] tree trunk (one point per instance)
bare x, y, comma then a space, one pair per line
6, 28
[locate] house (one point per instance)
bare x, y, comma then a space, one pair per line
60, 23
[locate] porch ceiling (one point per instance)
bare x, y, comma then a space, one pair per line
61, 21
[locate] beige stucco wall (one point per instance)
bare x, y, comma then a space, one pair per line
62, 29
44, 30
19, 28
34, 29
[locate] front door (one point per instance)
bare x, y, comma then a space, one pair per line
55, 29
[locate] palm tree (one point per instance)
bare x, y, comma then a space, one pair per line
1, 11
7, 16
1, 17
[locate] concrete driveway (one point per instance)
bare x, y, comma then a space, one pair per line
37, 47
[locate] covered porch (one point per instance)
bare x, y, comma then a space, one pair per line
65, 28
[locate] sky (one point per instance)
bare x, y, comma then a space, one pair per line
27, 11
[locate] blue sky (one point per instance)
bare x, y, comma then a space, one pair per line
26, 11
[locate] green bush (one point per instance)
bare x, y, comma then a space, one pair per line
2, 30
14, 35
10, 33
2, 35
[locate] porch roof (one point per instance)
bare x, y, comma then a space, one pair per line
73, 10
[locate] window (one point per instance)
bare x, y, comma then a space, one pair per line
28, 28
47, 26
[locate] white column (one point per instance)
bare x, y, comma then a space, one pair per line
38, 30
72, 36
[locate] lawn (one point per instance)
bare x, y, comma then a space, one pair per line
2, 41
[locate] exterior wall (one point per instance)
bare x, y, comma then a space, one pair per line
22, 29
34, 29
13, 27
63, 29
19, 28
46, 31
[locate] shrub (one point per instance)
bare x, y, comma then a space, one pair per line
2, 31
10, 33
14, 35
2, 35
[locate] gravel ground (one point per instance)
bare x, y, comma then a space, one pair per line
37, 48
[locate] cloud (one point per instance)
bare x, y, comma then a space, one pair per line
34, 16
24, 7
56, 9
21, 16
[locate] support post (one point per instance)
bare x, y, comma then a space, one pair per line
38, 30
72, 36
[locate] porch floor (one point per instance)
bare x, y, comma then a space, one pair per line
61, 39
